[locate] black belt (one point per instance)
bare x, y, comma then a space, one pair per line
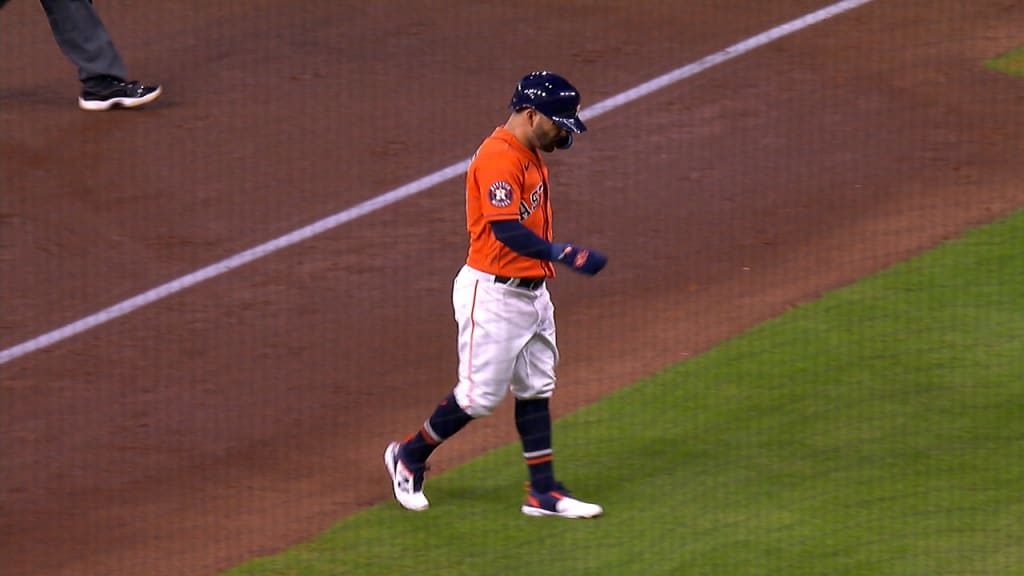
527, 283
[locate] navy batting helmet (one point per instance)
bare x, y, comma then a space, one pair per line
552, 96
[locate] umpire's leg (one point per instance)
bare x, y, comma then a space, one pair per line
80, 33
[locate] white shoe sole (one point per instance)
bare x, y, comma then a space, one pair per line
531, 511
593, 512
99, 105
390, 464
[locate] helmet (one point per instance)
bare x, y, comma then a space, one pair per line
552, 96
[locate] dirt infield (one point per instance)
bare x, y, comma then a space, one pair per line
249, 412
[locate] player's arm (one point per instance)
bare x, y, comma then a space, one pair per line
525, 242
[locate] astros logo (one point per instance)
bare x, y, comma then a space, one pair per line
500, 194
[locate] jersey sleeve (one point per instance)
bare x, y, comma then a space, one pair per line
499, 178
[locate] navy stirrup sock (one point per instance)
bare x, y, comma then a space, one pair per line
533, 421
448, 418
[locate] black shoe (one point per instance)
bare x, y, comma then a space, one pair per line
117, 93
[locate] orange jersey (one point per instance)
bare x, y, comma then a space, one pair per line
505, 181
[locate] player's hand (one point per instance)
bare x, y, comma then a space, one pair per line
580, 259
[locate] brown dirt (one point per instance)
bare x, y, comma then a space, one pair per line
249, 412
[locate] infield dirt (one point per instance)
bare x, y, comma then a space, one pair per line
249, 412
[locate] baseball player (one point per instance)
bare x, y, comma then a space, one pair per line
506, 325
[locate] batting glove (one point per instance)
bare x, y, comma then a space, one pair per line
582, 260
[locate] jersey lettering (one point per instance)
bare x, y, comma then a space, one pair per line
525, 210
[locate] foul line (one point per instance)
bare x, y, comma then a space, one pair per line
410, 189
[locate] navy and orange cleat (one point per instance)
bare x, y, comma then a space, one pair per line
558, 502
407, 486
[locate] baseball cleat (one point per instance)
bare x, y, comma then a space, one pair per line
407, 487
558, 502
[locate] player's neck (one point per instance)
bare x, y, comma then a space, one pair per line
521, 131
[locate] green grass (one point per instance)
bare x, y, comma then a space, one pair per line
1011, 63
877, 431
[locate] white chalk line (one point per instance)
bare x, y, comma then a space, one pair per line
406, 190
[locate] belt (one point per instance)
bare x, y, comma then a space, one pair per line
527, 283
